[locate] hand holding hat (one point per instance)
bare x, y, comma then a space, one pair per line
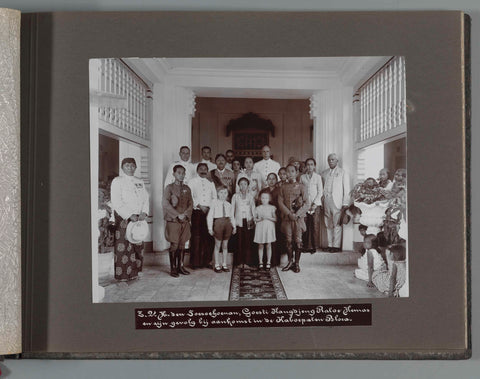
137, 232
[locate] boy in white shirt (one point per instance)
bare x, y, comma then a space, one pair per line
221, 225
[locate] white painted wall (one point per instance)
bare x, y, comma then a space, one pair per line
171, 128
98, 292
332, 113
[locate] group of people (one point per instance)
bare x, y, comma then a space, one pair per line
255, 211
258, 212
382, 265
383, 261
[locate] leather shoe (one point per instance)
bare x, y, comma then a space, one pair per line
225, 269
288, 266
296, 269
174, 273
183, 271
217, 269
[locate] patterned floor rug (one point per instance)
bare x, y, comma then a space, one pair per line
253, 284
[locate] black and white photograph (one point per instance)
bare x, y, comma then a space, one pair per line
238, 179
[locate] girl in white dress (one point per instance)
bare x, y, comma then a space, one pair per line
265, 218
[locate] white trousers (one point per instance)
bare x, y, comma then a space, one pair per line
332, 216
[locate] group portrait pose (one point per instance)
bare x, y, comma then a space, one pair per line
258, 211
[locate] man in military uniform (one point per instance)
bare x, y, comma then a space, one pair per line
177, 209
293, 204
222, 176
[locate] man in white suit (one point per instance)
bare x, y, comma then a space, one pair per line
266, 165
336, 196
184, 161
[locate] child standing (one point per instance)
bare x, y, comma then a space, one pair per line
221, 225
243, 205
293, 203
177, 208
265, 218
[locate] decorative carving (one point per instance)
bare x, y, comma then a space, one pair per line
314, 105
191, 103
249, 143
250, 122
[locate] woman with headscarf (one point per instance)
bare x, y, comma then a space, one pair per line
130, 202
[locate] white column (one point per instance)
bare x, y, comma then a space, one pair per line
173, 109
98, 292
331, 111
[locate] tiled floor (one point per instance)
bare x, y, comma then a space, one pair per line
323, 281
316, 280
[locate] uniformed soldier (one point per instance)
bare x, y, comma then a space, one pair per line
222, 176
293, 204
177, 209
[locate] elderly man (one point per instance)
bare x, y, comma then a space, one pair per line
266, 165
184, 161
207, 159
336, 196
313, 183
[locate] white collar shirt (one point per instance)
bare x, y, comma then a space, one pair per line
265, 167
314, 187
203, 191
129, 196
219, 209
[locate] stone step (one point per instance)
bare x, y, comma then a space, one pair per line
341, 258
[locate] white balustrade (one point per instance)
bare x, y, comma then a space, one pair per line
382, 101
117, 81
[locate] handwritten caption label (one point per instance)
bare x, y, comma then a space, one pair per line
254, 316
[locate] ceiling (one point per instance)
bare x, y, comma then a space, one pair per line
276, 78
252, 64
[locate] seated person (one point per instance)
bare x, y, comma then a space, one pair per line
389, 281
372, 253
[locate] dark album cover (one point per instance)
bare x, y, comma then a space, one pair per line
233, 185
